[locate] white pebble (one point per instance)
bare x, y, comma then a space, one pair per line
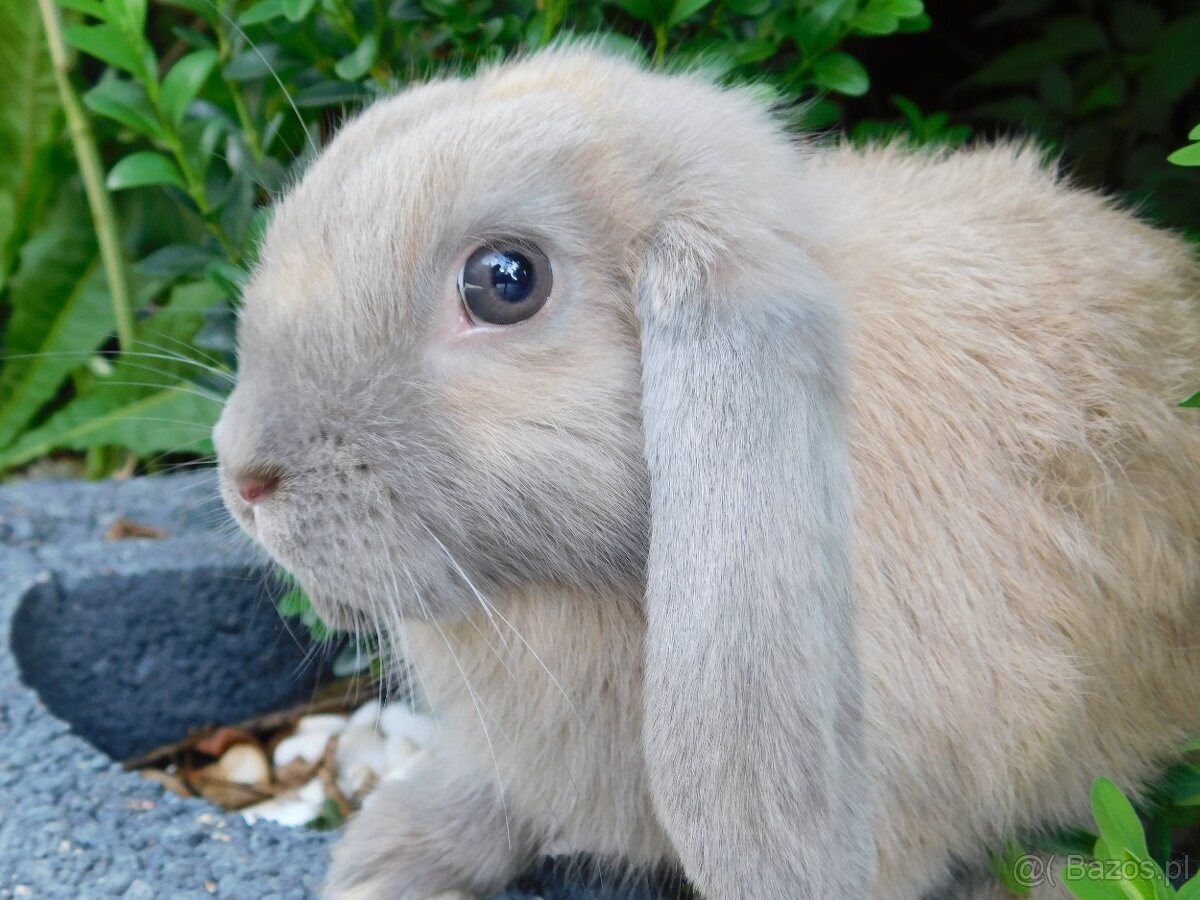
285, 812
292, 813
324, 723
308, 746
290, 809
312, 792
243, 764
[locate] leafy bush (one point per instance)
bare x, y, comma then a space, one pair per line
1108, 82
1123, 859
200, 111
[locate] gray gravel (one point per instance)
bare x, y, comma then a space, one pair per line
132, 642
73, 824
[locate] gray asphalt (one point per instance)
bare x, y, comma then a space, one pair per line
128, 643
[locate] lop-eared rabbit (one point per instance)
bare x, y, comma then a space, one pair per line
811, 518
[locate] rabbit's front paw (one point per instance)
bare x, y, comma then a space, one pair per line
427, 839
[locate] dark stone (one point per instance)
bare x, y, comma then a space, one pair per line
135, 662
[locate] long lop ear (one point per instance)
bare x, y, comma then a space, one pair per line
753, 731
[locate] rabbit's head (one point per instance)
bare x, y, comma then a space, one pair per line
439, 357
440, 351
557, 324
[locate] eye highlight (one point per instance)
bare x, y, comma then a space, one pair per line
502, 284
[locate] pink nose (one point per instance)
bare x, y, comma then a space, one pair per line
256, 487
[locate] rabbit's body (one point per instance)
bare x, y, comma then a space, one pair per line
1026, 528
1027, 557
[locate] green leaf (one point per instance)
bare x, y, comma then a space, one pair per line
230, 279
107, 44
205, 9
1186, 156
60, 313
257, 62
1136, 24
1087, 889
1173, 64
648, 11
1055, 88
903, 9
293, 602
184, 81
754, 8
1065, 842
330, 93
1119, 825
126, 103
1105, 94
29, 124
683, 9
875, 21
176, 260
1194, 134
296, 10
915, 24
142, 169
1141, 877
1007, 865
88, 7
749, 52
620, 45
316, 628
821, 113
129, 15
843, 73
146, 404
1192, 402
1190, 890
1065, 38
263, 11
358, 63
1179, 786
170, 419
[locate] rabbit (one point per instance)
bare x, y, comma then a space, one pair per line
810, 517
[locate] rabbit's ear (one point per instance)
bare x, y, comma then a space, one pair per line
753, 730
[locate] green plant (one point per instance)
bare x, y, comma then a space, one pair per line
358, 653
1127, 857
145, 168
1189, 155
1107, 82
914, 126
1122, 865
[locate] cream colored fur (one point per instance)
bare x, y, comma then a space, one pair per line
616, 543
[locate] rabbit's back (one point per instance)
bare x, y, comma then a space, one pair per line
1028, 522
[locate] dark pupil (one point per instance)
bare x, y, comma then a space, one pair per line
512, 275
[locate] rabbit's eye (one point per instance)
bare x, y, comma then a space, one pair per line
505, 284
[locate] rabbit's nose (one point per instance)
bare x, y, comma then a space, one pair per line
256, 486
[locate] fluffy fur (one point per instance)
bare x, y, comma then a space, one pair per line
618, 543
